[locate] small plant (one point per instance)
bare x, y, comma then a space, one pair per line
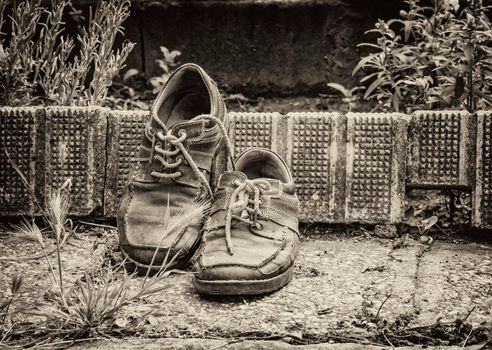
130, 91
94, 301
133, 90
349, 96
166, 64
15, 285
40, 64
91, 306
58, 205
432, 57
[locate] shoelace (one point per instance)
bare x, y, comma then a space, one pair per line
160, 154
246, 197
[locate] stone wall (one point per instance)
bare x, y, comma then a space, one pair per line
258, 47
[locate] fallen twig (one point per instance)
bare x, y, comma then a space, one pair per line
381, 306
468, 314
467, 337
96, 225
385, 337
390, 254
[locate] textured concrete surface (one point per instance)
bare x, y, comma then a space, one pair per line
338, 288
125, 133
75, 148
49, 146
19, 139
442, 148
482, 191
344, 288
200, 344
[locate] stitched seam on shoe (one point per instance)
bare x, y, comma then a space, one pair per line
127, 209
203, 140
289, 260
202, 153
283, 213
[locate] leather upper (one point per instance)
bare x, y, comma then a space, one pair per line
260, 249
171, 183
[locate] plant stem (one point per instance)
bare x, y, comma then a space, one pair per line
52, 270
7, 309
58, 232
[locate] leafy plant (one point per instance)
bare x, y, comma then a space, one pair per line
41, 64
166, 64
432, 57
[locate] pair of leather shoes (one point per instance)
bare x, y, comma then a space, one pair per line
189, 200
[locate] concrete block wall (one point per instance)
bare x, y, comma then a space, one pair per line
19, 139
125, 132
48, 146
348, 168
442, 149
482, 186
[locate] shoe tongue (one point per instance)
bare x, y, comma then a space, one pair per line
192, 128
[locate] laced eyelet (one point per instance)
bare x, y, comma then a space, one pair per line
182, 132
258, 226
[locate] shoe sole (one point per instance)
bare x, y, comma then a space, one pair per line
142, 268
243, 287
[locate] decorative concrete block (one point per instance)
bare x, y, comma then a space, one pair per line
314, 149
125, 132
75, 148
376, 153
441, 149
482, 191
19, 138
265, 130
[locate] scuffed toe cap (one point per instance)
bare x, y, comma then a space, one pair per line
156, 253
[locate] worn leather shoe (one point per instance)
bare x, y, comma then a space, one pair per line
183, 151
251, 238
